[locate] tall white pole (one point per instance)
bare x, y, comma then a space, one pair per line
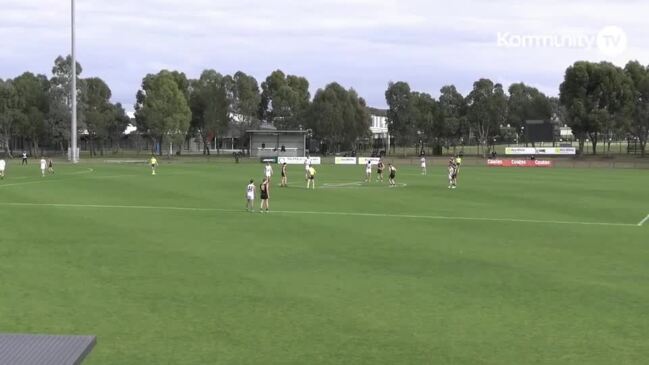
73, 132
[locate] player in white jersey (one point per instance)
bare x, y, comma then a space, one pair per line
43, 166
452, 174
368, 171
3, 165
307, 166
423, 165
268, 171
250, 196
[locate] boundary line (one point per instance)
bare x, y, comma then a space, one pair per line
350, 214
643, 221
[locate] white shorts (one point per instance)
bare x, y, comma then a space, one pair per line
268, 174
368, 171
250, 196
2, 171
423, 165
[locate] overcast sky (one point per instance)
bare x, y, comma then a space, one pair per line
362, 44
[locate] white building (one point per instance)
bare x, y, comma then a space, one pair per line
379, 126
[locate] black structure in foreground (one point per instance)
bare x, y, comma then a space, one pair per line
18, 349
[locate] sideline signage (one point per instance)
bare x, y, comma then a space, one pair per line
363, 160
297, 160
345, 161
541, 151
519, 163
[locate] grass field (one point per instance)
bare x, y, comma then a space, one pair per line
516, 266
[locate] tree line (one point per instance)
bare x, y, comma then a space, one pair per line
599, 101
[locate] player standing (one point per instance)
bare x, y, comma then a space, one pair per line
307, 166
368, 171
393, 174
452, 174
250, 196
458, 163
268, 171
265, 195
379, 171
284, 182
311, 178
43, 166
50, 167
3, 165
154, 163
24, 159
423, 165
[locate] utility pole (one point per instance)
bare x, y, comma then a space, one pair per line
74, 157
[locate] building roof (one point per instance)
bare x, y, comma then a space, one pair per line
275, 131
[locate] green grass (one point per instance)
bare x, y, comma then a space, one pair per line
403, 286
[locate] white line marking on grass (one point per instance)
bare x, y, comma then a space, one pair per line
348, 214
643, 221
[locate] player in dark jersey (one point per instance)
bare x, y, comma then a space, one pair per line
264, 196
379, 171
284, 182
393, 174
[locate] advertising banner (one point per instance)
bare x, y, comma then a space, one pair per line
363, 160
298, 160
519, 163
271, 159
540, 151
345, 161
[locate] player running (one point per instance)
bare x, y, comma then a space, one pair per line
311, 178
250, 196
452, 174
379, 171
393, 174
265, 195
50, 167
368, 171
268, 171
458, 163
3, 165
154, 163
423, 165
284, 182
43, 166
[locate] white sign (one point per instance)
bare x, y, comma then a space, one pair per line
363, 160
540, 151
297, 160
520, 151
345, 161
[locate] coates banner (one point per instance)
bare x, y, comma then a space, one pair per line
345, 161
519, 163
540, 151
363, 160
297, 160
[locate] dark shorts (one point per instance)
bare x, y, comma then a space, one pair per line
311, 177
264, 196
392, 176
152, 165
379, 171
283, 174
454, 175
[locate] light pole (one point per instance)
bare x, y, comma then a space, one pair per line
73, 124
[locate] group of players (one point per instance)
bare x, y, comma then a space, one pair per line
310, 173
47, 166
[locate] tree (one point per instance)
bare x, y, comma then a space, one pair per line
638, 125
117, 125
60, 101
284, 100
32, 90
246, 102
9, 110
487, 110
427, 120
400, 112
595, 96
162, 109
526, 103
99, 112
339, 117
453, 110
210, 105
